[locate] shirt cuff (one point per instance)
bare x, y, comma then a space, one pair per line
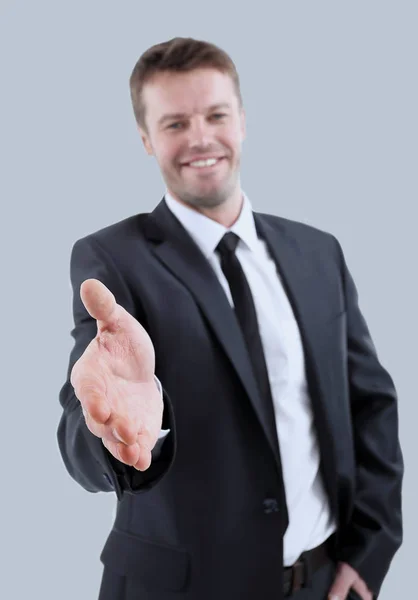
163, 432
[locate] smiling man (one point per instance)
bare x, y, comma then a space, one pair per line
223, 381
202, 103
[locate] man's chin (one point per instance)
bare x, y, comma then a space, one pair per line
207, 201
202, 199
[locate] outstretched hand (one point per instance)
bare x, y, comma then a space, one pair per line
114, 380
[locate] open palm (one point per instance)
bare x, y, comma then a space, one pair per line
114, 380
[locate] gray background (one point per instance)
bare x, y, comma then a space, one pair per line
331, 94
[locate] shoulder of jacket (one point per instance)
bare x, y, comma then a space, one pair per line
297, 228
118, 232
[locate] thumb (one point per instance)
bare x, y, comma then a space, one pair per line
99, 301
343, 581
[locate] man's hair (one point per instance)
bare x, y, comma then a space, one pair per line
178, 55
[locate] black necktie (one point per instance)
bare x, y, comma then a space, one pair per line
247, 318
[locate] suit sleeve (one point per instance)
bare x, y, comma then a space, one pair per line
86, 459
374, 532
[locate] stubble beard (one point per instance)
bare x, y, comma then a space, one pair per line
212, 199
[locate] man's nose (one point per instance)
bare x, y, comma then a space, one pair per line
199, 134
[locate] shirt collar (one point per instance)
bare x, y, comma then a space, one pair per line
207, 233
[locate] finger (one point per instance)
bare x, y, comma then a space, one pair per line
145, 456
144, 460
124, 431
111, 447
100, 303
342, 584
107, 432
95, 428
128, 454
362, 590
145, 439
125, 454
94, 402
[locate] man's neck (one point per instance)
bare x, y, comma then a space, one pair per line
226, 214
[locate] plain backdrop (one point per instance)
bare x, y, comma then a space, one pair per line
330, 90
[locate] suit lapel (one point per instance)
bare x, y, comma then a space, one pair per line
308, 285
304, 279
303, 286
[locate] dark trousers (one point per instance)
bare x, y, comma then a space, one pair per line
114, 588
321, 584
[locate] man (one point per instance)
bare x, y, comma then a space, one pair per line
268, 465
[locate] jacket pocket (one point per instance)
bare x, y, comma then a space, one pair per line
155, 565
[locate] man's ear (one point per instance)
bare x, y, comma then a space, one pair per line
146, 141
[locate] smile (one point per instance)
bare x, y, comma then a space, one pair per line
206, 164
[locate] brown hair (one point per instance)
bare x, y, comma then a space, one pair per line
177, 55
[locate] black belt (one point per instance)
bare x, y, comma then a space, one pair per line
300, 574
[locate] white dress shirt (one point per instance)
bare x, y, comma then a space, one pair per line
310, 519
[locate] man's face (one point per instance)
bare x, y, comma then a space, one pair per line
192, 117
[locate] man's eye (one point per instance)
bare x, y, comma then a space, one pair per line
174, 125
218, 115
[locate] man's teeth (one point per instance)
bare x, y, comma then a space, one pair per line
204, 163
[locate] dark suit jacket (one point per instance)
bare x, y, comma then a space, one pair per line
199, 523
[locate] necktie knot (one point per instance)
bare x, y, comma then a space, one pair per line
228, 244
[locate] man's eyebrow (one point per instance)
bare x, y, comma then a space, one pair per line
173, 116
170, 117
218, 106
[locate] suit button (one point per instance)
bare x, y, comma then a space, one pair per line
270, 505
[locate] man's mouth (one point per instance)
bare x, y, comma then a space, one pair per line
206, 163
